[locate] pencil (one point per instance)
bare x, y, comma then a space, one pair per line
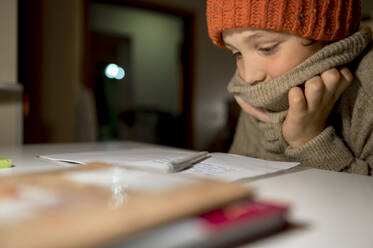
185, 162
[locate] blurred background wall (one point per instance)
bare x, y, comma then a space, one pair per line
10, 91
367, 6
57, 35
50, 67
173, 92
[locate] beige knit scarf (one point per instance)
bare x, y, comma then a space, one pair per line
272, 95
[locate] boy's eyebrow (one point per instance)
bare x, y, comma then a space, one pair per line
229, 45
250, 38
255, 36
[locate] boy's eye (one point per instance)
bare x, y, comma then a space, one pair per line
236, 55
268, 50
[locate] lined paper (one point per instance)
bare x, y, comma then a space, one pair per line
222, 166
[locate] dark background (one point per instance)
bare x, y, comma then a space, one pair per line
64, 47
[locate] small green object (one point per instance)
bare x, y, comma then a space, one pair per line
5, 163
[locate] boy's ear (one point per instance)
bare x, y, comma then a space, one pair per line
315, 43
308, 42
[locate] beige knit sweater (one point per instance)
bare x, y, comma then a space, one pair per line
346, 144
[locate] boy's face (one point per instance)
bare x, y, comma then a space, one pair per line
263, 55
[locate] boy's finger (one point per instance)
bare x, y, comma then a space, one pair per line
297, 102
346, 73
314, 92
346, 81
331, 79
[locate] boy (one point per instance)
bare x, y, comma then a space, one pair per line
300, 101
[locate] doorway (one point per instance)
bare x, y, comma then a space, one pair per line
152, 47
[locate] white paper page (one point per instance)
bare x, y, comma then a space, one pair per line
157, 158
230, 167
223, 166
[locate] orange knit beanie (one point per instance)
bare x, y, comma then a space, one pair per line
325, 20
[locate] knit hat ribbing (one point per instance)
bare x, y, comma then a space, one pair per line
324, 20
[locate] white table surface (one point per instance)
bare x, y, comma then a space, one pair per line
329, 209
332, 209
25, 157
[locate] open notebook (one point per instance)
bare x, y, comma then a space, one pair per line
223, 166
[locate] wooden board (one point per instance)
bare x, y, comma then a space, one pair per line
83, 215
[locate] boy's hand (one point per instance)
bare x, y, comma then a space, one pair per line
310, 108
258, 113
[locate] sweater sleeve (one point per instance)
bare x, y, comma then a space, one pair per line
239, 139
328, 151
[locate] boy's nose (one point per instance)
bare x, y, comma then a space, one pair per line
252, 75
